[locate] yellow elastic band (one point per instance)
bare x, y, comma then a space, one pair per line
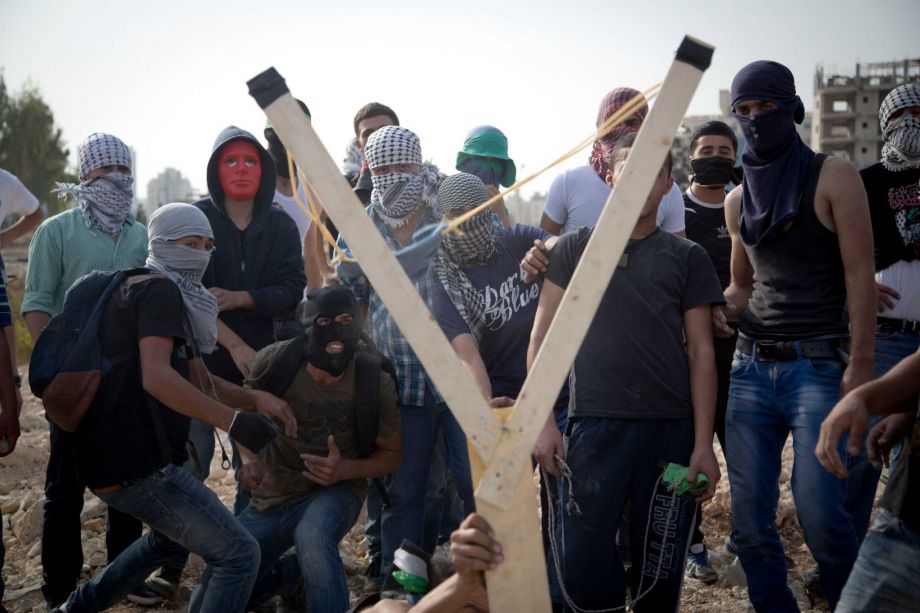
621, 115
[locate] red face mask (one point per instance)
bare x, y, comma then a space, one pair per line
239, 170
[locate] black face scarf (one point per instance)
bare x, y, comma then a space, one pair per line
713, 171
328, 303
279, 154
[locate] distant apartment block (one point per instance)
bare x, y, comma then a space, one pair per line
168, 186
845, 117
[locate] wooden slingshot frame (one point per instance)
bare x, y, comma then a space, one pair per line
502, 460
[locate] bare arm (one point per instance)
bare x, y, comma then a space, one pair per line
23, 226
550, 440
550, 226
165, 384
738, 293
36, 322
469, 356
242, 354
702, 361
850, 210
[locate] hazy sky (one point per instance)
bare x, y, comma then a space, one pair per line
167, 76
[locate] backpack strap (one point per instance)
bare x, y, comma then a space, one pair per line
284, 368
367, 410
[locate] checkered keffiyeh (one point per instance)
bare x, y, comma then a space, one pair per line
100, 150
460, 192
392, 145
398, 195
901, 148
611, 103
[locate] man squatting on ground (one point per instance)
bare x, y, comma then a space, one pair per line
637, 401
308, 489
98, 234
801, 263
168, 318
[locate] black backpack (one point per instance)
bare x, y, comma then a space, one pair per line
368, 364
67, 364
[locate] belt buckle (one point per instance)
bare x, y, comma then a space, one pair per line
765, 351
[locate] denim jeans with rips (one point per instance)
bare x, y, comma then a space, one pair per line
767, 401
884, 577
407, 487
614, 460
314, 527
182, 514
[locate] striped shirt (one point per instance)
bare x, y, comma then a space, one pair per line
414, 383
66, 247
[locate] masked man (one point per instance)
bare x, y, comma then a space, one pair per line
405, 198
131, 443
713, 146
98, 234
802, 287
308, 490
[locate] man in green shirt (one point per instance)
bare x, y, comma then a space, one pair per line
98, 234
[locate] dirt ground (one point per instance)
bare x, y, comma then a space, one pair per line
21, 495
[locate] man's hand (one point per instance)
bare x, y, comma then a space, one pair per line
254, 475
243, 356
9, 432
252, 431
850, 415
228, 300
324, 470
473, 549
885, 296
535, 262
885, 435
549, 443
703, 460
275, 408
720, 327
501, 402
858, 371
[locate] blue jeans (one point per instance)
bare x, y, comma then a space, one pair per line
884, 577
314, 528
891, 348
407, 487
182, 513
612, 461
767, 401
444, 509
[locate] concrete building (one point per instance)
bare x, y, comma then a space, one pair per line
846, 108
168, 186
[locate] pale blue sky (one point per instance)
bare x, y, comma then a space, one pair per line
167, 76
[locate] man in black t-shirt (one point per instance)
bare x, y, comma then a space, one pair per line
884, 577
713, 146
639, 398
131, 442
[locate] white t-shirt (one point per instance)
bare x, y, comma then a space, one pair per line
290, 206
577, 197
14, 197
904, 278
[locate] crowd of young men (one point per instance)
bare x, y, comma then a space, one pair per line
746, 313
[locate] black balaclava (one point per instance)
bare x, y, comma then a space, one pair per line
329, 302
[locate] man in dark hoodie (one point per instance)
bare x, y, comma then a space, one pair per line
258, 273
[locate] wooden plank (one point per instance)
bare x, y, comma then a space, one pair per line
390, 281
593, 275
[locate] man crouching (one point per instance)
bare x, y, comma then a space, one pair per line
308, 490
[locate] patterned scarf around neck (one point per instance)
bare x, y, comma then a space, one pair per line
901, 148
105, 200
610, 104
397, 195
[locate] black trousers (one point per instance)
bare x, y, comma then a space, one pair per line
62, 547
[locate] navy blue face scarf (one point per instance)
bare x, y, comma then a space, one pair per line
776, 162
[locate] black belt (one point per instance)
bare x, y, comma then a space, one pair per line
888, 324
777, 351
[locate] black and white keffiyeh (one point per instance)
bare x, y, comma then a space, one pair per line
458, 193
901, 148
397, 195
100, 149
